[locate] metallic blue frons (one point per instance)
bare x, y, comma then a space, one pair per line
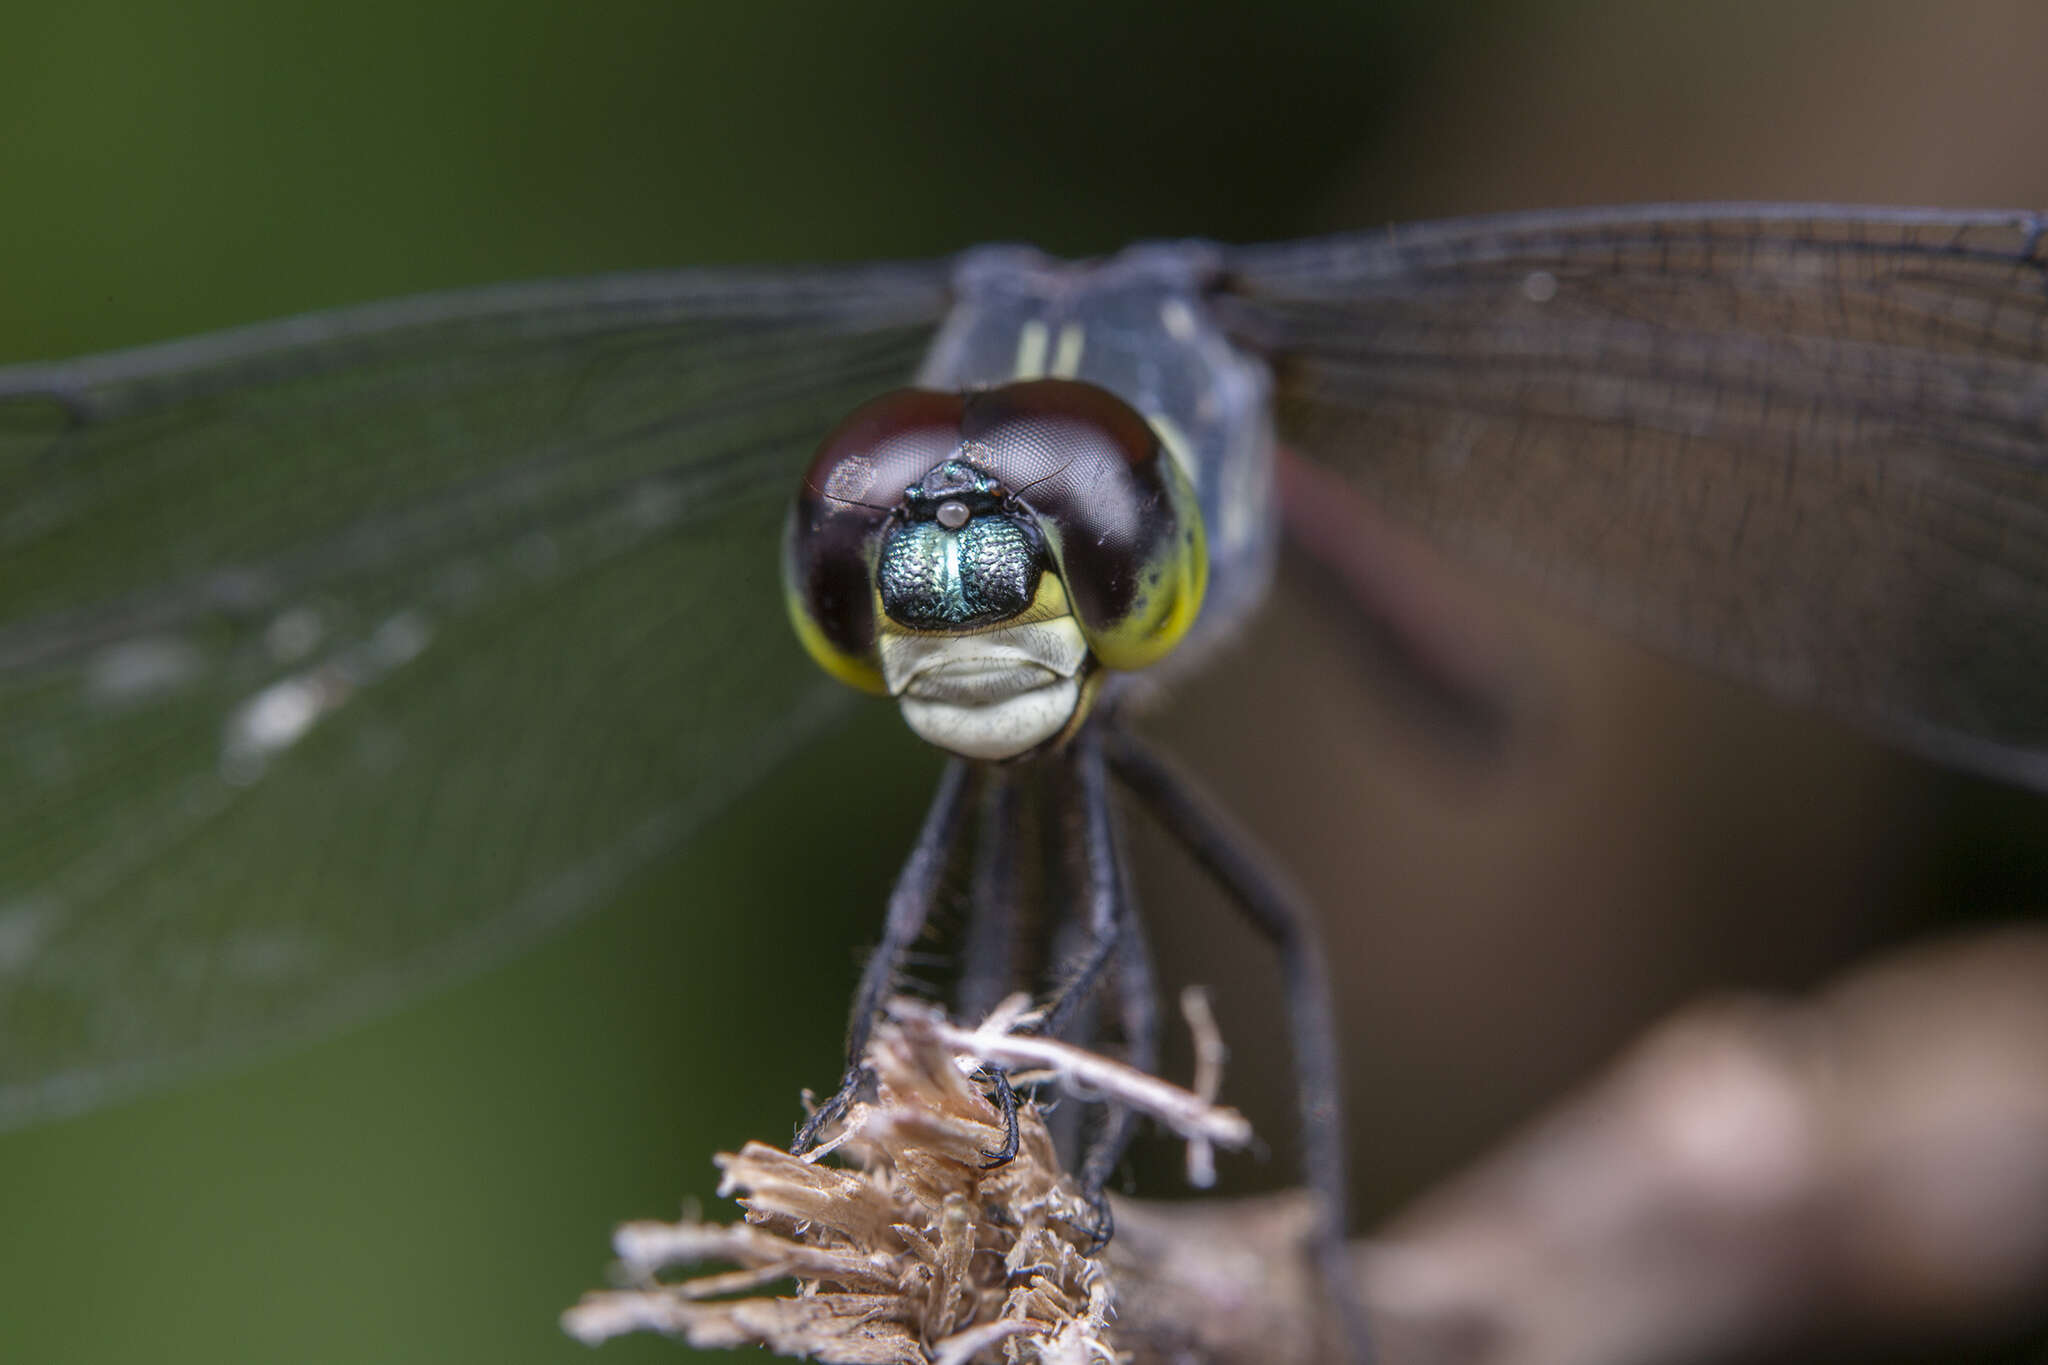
935, 579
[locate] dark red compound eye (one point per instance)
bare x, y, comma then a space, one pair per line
850, 492
1110, 500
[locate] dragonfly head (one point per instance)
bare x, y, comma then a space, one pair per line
982, 557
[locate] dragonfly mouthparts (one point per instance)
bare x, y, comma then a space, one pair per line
994, 694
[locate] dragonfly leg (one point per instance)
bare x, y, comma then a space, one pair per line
1114, 947
1138, 1011
985, 971
910, 903
1278, 912
1102, 888
1006, 1101
1137, 1002
987, 956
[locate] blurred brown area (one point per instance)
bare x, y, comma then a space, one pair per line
1601, 101
1858, 1176
1861, 1176
1503, 926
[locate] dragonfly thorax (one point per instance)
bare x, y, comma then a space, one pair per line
1139, 325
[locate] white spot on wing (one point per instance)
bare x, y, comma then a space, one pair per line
651, 506
293, 634
271, 958
267, 958
400, 638
273, 720
24, 928
285, 712
1539, 286
140, 670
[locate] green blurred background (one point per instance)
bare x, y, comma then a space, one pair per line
438, 1185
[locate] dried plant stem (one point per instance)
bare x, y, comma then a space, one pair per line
918, 1253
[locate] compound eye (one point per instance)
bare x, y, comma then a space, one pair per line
850, 491
1117, 512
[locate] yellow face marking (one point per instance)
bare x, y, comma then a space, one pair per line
850, 669
1066, 360
1031, 344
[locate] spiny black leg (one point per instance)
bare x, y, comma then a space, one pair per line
1101, 888
985, 960
1113, 931
1137, 1002
1006, 1100
1119, 1125
1278, 911
1064, 928
1101, 1224
910, 903
985, 969
1138, 995
828, 1113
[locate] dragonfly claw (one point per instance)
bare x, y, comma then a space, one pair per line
1006, 1100
859, 1079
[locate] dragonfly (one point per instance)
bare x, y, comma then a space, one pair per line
341, 651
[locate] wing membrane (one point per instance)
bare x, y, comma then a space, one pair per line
1807, 447
343, 652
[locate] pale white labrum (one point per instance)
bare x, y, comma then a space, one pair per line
993, 694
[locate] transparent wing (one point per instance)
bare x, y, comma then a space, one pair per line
1807, 447
339, 653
